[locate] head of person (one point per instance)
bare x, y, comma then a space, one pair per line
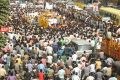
73, 72
76, 73
41, 70
11, 73
61, 67
16, 61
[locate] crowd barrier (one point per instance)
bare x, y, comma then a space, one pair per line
111, 48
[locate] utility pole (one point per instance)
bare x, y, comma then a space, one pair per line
44, 3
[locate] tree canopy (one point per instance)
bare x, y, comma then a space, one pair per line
4, 11
4, 14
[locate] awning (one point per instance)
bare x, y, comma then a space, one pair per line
111, 10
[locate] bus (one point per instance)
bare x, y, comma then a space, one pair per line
113, 13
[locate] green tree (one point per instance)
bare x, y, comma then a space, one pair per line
4, 15
2, 40
4, 11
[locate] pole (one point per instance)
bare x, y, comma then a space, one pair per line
9, 2
44, 3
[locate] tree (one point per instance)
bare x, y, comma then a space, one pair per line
4, 11
2, 40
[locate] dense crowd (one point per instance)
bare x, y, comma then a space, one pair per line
35, 53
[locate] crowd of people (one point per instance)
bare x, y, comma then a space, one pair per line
42, 54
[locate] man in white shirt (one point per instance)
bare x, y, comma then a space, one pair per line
75, 76
61, 73
49, 58
49, 49
90, 78
74, 57
77, 70
92, 67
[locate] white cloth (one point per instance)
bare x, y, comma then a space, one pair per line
49, 59
75, 77
90, 78
77, 70
61, 73
74, 57
92, 43
49, 49
92, 68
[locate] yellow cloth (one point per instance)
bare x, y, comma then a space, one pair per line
2, 72
26, 57
109, 71
98, 65
19, 61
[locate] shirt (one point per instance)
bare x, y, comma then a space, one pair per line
86, 71
75, 77
30, 67
11, 78
74, 57
112, 78
44, 61
99, 75
98, 65
41, 76
49, 59
77, 70
92, 68
49, 49
41, 66
90, 78
61, 73
92, 43
50, 72
19, 61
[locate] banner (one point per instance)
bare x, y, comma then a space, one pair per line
6, 29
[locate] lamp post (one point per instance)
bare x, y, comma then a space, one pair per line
44, 3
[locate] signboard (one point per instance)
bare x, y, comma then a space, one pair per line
6, 29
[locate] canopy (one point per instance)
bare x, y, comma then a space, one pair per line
111, 10
80, 5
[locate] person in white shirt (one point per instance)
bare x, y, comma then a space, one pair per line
49, 49
74, 57
77, 70
75, 76
61, 73
49, 58
90, 77
92, 67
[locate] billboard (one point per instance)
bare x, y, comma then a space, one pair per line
6, 29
